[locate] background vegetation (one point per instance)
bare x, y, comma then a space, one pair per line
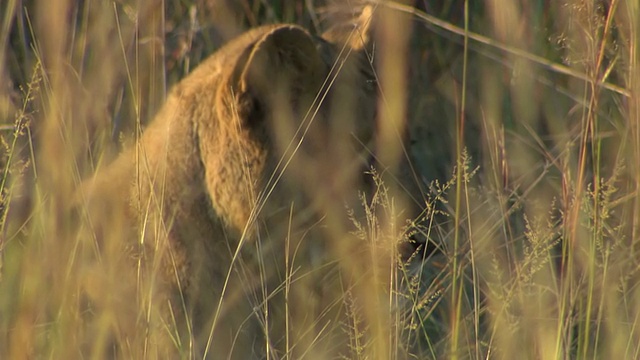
524, 119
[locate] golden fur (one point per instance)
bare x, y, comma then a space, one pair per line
237, 156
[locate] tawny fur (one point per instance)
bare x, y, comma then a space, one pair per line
205, 175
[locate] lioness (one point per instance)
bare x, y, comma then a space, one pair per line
231, 190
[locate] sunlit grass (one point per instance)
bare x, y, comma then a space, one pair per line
524, 127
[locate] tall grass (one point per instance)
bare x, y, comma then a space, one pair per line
524, 124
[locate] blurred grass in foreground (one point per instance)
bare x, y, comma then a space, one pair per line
525, 132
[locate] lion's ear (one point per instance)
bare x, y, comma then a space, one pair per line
283, 61
355, 33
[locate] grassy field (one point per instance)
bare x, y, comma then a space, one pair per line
524, 119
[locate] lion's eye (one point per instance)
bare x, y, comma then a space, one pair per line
371, 84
